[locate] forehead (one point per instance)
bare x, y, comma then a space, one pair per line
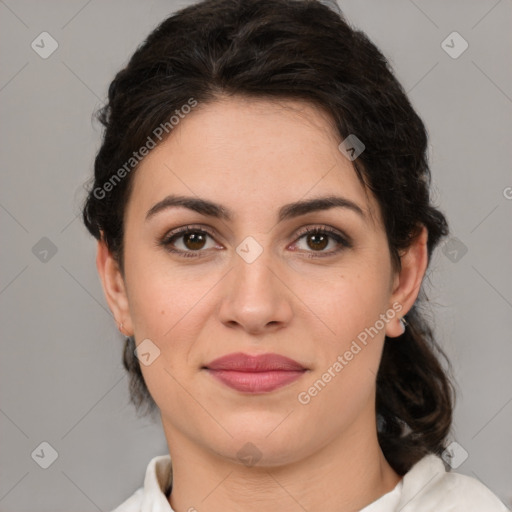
254, 154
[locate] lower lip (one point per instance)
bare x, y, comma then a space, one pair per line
256, 382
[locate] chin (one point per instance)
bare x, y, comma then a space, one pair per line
260, 446
259, 453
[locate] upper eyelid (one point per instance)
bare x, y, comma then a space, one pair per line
186, 229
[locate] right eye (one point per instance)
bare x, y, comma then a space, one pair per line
186, 241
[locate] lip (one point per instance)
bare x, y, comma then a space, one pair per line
255, 374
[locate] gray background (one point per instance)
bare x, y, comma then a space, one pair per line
61, 378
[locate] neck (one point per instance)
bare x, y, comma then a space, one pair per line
345, 474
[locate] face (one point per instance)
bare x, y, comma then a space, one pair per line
257, 274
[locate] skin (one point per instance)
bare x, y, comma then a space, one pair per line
252, 157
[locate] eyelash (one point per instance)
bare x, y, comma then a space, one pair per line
168, 239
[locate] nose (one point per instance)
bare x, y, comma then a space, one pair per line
255, 298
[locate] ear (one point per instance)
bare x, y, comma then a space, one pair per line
407, 282
113, 285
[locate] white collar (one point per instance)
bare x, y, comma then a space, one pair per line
425, 487
157, 483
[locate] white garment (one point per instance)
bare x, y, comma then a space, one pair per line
427, 487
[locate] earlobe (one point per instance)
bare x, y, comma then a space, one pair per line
407, 284
113, 285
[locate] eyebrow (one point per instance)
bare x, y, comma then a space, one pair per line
288, 211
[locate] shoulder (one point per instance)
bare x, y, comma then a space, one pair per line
152, 496
428, 486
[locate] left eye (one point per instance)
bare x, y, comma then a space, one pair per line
318, 239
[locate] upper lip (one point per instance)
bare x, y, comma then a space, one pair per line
258, 363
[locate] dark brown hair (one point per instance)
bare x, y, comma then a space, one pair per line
305, 50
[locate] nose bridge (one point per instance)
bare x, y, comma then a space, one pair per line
254, 280
254, 275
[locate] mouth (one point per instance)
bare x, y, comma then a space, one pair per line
255, 374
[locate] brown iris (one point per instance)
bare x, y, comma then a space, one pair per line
194, 241
318, 241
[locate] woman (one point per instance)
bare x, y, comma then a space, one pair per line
261, 204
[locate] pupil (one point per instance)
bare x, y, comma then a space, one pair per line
194, 240
319, 241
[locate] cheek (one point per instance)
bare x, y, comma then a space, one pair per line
348, 301
343, 382
163, 297
348, 357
